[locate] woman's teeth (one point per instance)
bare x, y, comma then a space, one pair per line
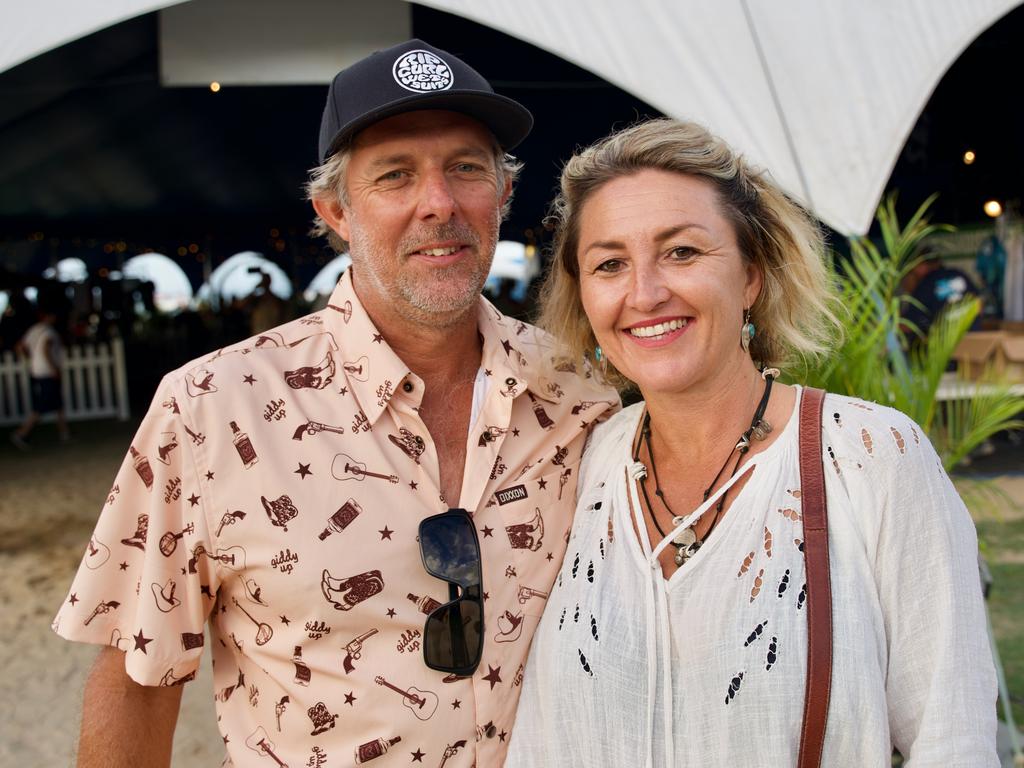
650, 331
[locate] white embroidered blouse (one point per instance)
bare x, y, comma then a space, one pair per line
707, 667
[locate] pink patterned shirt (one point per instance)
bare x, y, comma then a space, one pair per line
274, 491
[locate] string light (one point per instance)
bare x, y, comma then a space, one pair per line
993, 209
969, 157
215, 86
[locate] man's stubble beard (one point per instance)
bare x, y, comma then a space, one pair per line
449, 296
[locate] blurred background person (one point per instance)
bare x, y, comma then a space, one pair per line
42, 345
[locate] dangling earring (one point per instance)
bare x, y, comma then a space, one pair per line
600, 361
747, 331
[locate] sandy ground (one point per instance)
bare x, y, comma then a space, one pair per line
49, 500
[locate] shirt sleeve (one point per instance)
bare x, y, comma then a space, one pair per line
940, 685
144, 585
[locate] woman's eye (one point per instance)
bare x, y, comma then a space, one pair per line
683, 252
611, 265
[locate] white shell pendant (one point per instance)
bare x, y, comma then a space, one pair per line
686, 545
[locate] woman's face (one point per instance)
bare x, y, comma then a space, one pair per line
663, 282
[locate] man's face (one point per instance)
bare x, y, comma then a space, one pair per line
422, 215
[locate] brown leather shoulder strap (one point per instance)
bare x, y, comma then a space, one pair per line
819, 587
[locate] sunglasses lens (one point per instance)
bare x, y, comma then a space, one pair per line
450, 551
453, 637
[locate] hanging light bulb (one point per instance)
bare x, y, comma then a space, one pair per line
993, 208
215, 86
969, 157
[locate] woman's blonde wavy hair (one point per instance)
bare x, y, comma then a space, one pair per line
796, 311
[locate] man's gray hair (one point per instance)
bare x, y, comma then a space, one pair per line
328, 179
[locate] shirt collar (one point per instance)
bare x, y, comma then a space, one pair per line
513, 355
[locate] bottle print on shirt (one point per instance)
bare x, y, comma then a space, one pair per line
244, 446
142, 466
374, 749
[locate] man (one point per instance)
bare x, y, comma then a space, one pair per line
933, 286
276, 489
42, 346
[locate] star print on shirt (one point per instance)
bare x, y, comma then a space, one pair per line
285, 621
542, 484
141, 641
377, 338
209, 475
349, 698
550, 557
487, 372
194, 500
417, 756
343, 391
502, 735
391, 613
487, 531
493, 676
385, 534
506, 346
456, 704
303, 470
73, 599
249, 379
515, 432
124, 566
413, 484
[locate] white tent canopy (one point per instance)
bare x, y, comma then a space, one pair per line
823, 94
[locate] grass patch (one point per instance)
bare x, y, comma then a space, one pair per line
1002, 541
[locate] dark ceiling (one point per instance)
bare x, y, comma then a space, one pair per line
94, 151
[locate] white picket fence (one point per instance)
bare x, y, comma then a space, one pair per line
94, 384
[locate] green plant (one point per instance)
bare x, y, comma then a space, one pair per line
872, 362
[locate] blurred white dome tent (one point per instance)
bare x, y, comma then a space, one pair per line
172, 290
240, 275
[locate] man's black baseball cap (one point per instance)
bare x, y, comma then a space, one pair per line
411, 76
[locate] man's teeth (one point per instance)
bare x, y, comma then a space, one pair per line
660, 329
439, 251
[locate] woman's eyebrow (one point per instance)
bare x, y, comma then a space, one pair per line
665, 234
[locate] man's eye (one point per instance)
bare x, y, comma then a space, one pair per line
392, 176
467, 168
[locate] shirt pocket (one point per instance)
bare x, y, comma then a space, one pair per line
537, 515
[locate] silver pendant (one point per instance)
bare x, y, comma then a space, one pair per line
686, 545
762, 429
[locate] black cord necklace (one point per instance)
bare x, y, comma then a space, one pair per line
687, 543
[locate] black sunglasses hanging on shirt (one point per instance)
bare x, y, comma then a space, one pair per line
453, 637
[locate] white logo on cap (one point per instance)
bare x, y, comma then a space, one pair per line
422, 72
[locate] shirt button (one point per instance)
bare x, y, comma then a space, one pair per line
486, 437
407, 386
491, 730
510, 382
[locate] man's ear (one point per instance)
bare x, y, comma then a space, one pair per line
506, 192
334, 214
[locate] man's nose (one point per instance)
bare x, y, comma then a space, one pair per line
437, 201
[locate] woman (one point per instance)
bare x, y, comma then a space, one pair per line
677, 634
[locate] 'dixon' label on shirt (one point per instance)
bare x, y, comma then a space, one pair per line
508, 495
